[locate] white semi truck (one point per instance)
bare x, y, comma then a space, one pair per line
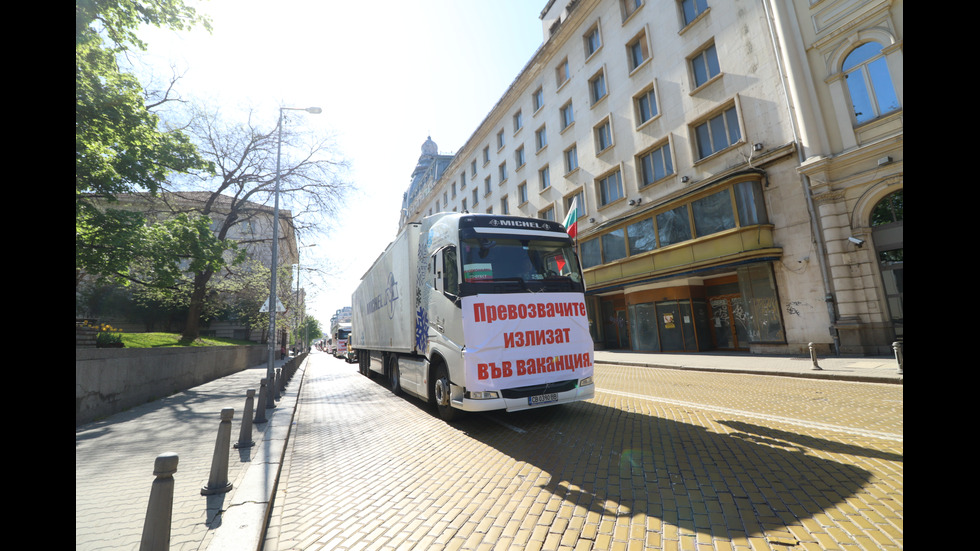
477, 312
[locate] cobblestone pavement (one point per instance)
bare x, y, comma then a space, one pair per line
660, 459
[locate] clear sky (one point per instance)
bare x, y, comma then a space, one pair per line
387, 73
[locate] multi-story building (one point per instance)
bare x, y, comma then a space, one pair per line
252, 231
737, 165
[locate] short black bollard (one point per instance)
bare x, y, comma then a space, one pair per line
270, 392
260, 409
245, 435
159, 510
899, 356
813, 358
278, 384
218, 482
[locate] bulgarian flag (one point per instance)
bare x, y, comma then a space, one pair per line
571, 219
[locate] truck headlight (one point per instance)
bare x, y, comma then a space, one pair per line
483, 394
584, 382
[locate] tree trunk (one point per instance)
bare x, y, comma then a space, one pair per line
192, 328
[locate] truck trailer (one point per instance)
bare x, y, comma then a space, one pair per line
477, 312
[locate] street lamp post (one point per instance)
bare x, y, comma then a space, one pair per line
271, 370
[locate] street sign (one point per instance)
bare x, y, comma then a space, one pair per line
279, 306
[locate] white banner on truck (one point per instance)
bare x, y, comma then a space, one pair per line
524, 339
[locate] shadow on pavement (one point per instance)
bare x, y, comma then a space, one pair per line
627, 464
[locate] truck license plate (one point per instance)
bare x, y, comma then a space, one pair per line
542, 399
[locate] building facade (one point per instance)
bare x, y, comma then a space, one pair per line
252, 230
737, 167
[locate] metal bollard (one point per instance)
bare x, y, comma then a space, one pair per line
245, 436
218, 482
899, 356
270, 392
260, 410
159, 510
813, 358
278, 384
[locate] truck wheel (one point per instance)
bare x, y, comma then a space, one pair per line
394, 376
441, 394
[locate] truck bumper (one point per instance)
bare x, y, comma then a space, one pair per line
577, 394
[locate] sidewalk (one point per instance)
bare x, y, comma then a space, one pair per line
114, 460
114, 457
876, 369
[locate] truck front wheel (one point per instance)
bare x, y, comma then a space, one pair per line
442, 395
394, 376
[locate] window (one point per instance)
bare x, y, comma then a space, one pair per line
437, 205
603, 136
486, 154
567, 115
500, 140
610, 188
571, 159
750, 203
486, 186
655, 165
646, 106
547, 214
673, 226
519, 156
591, 254
450, 278
504, 208
476, 197
544, 177
693, 9
869, 83
454, 190
597, 87
445, 198
638, 51
473, 169
502, 169
629, 6
613, 245
518, 121
522, 193
538, 99
641, 237
713, 213
464, 204
562, 73
462, 180
704, 66
540, 138
717, 133
592, 41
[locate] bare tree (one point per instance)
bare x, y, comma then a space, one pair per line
312, 185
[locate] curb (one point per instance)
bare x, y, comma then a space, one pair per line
823, 374
245, 519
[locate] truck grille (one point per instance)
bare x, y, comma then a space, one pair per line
535, 390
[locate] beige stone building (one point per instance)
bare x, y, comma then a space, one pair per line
737, 166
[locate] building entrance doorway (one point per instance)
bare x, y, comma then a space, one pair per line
615, 325
728, 322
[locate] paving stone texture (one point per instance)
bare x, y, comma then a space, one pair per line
660, 459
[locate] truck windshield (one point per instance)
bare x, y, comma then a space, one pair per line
531, 264
343, 333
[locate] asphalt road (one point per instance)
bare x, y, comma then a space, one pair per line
660, 459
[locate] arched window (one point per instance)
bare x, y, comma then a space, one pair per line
869, 83
887, 220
